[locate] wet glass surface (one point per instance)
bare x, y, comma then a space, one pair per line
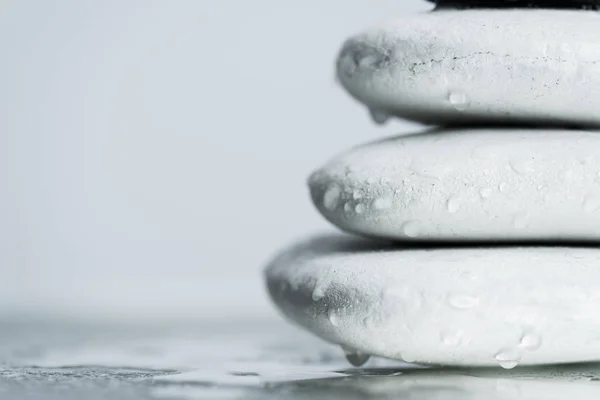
242, 360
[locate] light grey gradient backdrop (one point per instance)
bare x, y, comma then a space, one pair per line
154, 154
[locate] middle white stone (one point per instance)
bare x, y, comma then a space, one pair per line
471, 184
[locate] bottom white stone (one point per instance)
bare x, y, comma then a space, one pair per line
486, 306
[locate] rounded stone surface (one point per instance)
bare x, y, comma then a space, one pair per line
500, 306
466, 184
575, 4
479, 67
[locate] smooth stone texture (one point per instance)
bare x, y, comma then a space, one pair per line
479, 67
500, 306
576, 4
469, 184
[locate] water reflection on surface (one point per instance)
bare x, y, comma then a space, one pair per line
266, 360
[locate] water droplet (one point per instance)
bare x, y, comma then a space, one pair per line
357, 195
451, 338
408, 357
509, 358
368, 61
382, 203
591, 203
453, 204
463, 302
521, 220
360, 208
368, 57
358, 359
522, 166
333, 317
379, 117
485, 192
412, 229
508, 364
458, 100
319, 291
502, 187
347, 207
355, 357
369, 322
531, 340
332, 197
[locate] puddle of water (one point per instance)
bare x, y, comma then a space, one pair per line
262, 360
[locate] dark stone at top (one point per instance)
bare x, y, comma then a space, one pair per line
562, 4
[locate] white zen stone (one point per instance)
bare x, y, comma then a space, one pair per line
479, 66
503, 306
486, 184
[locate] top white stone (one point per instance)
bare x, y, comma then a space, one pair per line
479, 66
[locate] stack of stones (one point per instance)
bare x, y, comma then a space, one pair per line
475, 243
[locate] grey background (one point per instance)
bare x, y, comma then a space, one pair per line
154, 153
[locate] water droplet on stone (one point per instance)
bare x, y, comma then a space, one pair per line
332, 197
360, 208
463, 302
521, 220
379, 117
485, 192
347, 207
509, 358
368, 61
357, 195
408, 357
531, 340
319, 291
412, 229
508, 364
357, 359
333, 317
522, 166
369, 322
453, 204
354, 357
591, 203
382, 203
451, 338
458, 100
502, 187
